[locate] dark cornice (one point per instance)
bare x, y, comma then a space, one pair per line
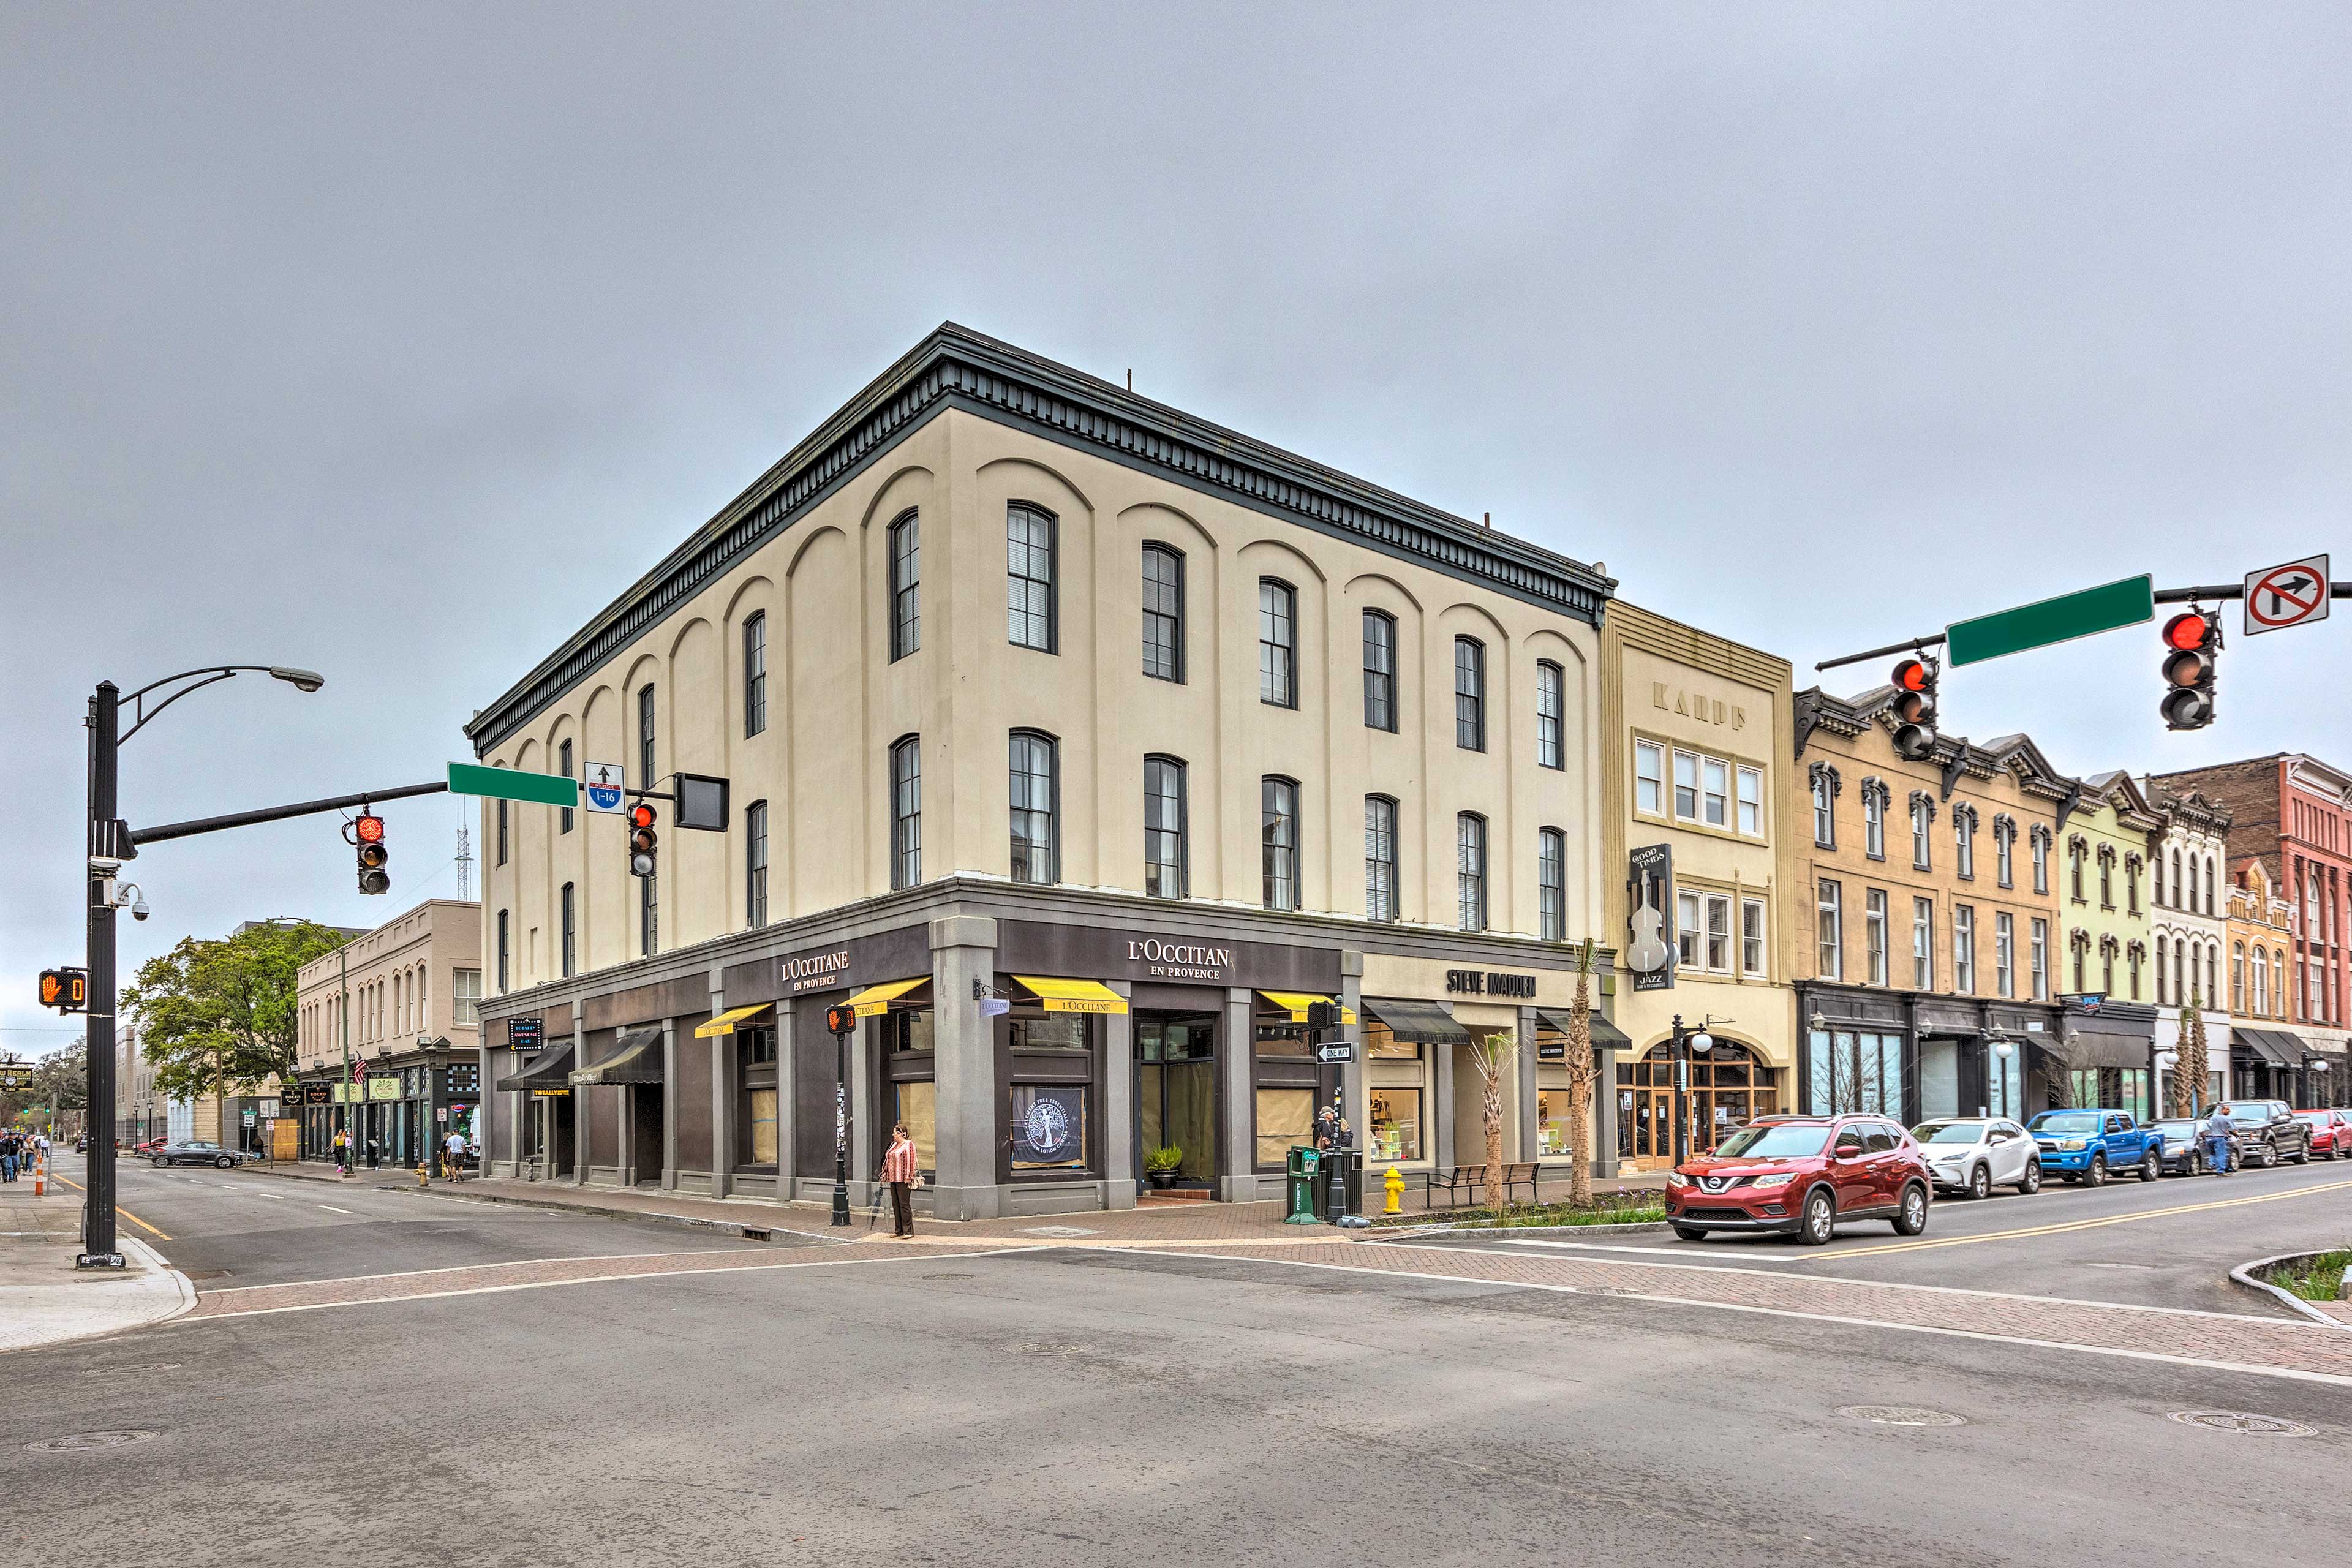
955, 367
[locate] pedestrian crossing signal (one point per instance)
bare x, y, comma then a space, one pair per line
841, 1019
66, 990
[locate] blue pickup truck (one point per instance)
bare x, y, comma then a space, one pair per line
2090, 1144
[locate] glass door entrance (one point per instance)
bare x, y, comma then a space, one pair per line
1176, 1095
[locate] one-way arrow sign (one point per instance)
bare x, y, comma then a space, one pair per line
2295, 594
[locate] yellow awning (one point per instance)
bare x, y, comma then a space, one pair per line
725, 1023
874, 1000
1295, 1003
1074, 995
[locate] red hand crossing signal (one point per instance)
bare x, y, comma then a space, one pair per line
841, 1019
2191, 641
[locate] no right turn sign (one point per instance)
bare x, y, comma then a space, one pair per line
2295, 594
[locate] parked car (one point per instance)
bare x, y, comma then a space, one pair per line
196, 1151
1974, 1154
2184, 1151
1800, 1175
2087, 1144
2331, 1132
147, 1147
2268, 1132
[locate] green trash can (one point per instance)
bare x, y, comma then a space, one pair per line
1300, 1171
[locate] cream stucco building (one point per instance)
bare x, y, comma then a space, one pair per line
1030, 690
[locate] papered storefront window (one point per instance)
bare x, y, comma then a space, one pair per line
1049, 1127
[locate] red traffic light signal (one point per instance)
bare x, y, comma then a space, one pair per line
368, 829
2190, 643
642, 839
367, 838
1912, 675
1914, 709
841, 1018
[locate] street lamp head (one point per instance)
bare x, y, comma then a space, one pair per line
300, 680
1818, 1022
2002, 1048
1701, 1041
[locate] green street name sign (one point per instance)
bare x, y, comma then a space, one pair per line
510, 783
2062, 619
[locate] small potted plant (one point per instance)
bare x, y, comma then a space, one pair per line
1161, 1166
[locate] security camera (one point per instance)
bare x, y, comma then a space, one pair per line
139, 910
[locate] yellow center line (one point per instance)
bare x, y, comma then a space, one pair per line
125, 1212
2087, 1223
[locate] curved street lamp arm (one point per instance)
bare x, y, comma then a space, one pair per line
141, 713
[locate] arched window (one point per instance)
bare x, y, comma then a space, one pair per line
906, 585
1029, 577
571, 916
2160, 997
755, 865
1470, 694
1380, 670
906, 811
755, 674
2208, 884
1035, 794
1551, 709
2237, 977
1551, 884
1163, 613
563, 766
1470, 856
1278, 643
1166, 855
1380, 857
1278, 841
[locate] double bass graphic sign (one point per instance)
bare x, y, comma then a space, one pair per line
1650, 953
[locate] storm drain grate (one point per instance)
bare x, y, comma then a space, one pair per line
1901, 1416
76, 1441
2242, 1423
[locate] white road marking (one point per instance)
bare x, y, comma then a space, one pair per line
332, 1209
2291, 1373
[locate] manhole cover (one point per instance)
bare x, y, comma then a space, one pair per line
1060, 1230
131, 1369
947, 1275
75, 1442
1901, 1416
2240, 1422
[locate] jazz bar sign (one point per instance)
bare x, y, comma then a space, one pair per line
2295, 594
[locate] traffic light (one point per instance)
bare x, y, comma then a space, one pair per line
66, 990
2191, 642
1914, 709
367, 833
641, 839
841, 1019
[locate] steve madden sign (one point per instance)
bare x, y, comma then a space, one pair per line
1489, 983
1180, 960
813, 970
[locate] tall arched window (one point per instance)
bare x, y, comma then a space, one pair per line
2160, 997
1278, 842
1278, 643
1551, 884
2210, 880
1470, 694
1166, 855
755, 674
1036, 794
1029, 577
1470, 870
755, 865
1163, 613
563, 766
1551, 710
906, 585
1380, 857
571, 915
906, 811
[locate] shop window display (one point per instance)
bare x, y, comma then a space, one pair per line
1049, 1128
1396, 1125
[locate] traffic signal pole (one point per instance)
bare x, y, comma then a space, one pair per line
99, 1248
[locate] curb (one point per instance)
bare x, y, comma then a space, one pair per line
1402, 1233
2244, 1275
162, 1265
748, 1230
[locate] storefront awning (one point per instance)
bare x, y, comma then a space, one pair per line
724, 1024
1295, 1003
637, 1058
2099, 1042
2276, 1047
1606, 1036
1073, 995
1418, 1023
874, 1000
550, 1069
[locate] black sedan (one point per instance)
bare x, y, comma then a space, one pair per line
2186, 1151
197, 1151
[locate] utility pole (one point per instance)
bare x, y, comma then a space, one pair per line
343, 1111
98, 1249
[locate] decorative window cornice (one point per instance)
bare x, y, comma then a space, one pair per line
2004, 827
1876, 788
2110, 944
2107, 854
1821, 772
2136, 949
955, 367
2078, 938
2077, 845
1965, 814
1923, 800
2040, 833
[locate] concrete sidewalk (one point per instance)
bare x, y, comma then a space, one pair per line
46, 1301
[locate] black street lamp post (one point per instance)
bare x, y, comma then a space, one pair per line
107, 843
1685, 1042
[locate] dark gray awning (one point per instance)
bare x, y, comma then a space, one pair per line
636, 1058
2093, 1040
550, 1069
1606, 1036
1418, 1023
2276, 1047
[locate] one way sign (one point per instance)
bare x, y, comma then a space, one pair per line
603, 783
2295, 594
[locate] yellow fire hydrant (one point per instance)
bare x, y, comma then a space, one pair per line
1396, 1191
424, 1174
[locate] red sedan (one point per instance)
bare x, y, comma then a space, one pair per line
2331, 1133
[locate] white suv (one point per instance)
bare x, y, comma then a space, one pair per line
1974, 1154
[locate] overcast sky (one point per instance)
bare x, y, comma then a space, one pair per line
395, 342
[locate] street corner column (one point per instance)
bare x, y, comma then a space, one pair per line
1238, 1184
1354, 1081
963, 955
1118, 1163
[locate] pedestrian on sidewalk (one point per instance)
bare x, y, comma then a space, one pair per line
2216, 1142
9, 1146
899, 1169
343, 1151
457, 1146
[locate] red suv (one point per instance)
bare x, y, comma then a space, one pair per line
1800, 1175
2331, 1132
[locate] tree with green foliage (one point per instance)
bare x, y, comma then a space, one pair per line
219, 1017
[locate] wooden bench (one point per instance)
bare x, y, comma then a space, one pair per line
1474, 1177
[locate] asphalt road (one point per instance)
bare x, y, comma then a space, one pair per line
2169, 1244
1081, 1406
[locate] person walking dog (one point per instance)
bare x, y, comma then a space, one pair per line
899, 1169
